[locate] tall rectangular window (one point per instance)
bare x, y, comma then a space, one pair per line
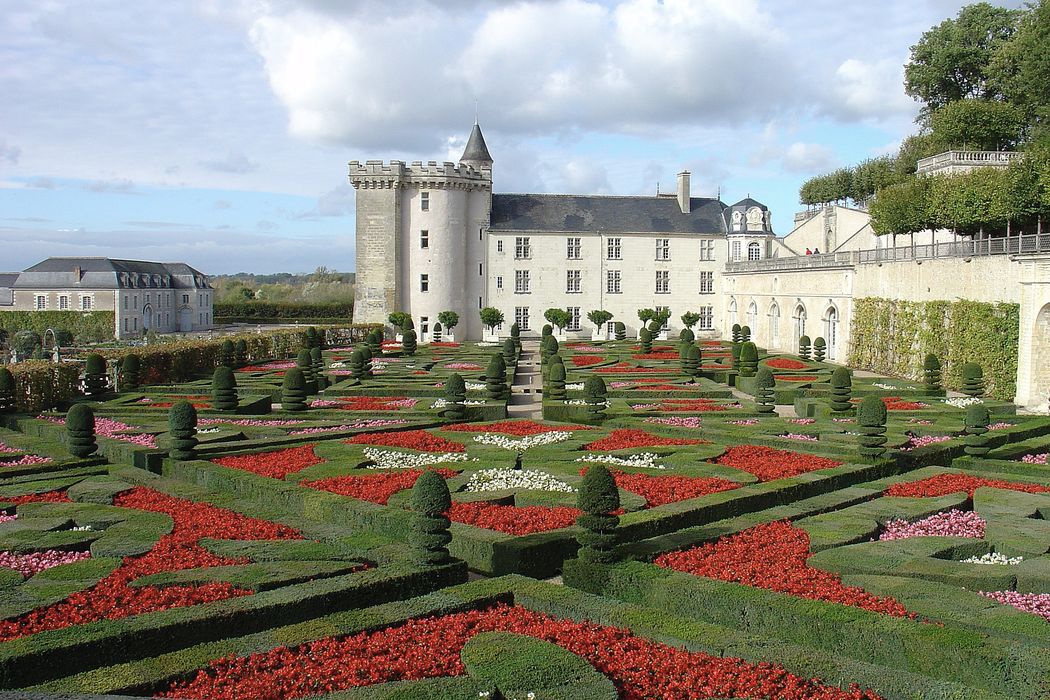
572, 282
41, 302
573, 248
707, 282
480, 273
499, 246
499, 281
707, 318
612, 281
63, 302
707, 249
424, 201
663, 248
424, 283
424, 238
612, 249
574, 318
521, 317
521, 282
85, 303
424, 325
185, 300
735, 256
663, 282
522, 248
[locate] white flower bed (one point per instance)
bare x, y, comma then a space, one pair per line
574, 385
581, 402
499, 479
892, 387
525, 443
474, 386
994, 558
390, 459
642, 460
339, 365
443, 403
964, 401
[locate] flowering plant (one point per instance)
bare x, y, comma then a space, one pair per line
512, 520
462, 365
276, 464
642, 460
356, 425
943, 484
525, 443
916, 441
1036, 458
1035, 603
389, 459
250, 422
35, 562
500, 479
419, 440
661, 490
964, 401
768, 463
676, 421
951, 523
587, 360
785, 363
377, 488
519, 428
628, 438
25, 461
800, 436
994, 558
112, 429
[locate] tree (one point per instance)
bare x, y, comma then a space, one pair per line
7, 391
224, 389
408, 342
871, 419
646, 315
841, 390
978, 125
399, 319
515, 335
599, 318
902, 208
599, 499
690, 319
1022, 64
872, 175
557, 317
80, 428
431, 501
660, 317
448, 319
25, 343
913, 148
491, 317
293, 391
645, 341
96, 381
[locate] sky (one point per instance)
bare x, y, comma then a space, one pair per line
217, 132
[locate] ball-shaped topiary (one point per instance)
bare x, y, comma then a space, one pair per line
431, 500
556, 381
765, 396
96, 382
226, 353
748, 359
841, 390
871, 420
804, 347
223, 389
745, 334
972, 380
977, 431
7, 391
240, 352
80, 429
510, 352
130, 370
317, 365
182, 427
305, 363
686, 336
409, 342
645, 340
598, 498
594, 396
820, 349
455, 395
496, 378
735, 333
620, 330
293, 390
931, 374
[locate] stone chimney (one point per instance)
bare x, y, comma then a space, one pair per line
683, 191
78, 274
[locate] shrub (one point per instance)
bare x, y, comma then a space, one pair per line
594, 394
224, 389
686, 336
841, 389
182, 426
598, 498
515, 334
26, 343
430, 501
357, 366
871, 419
745, 334
367, 354
556, 381
645, 340
317, 366
7, 391
804, 346
820, 349
735, 334
80, 427
510, 352
548, 330
293, 390
130, 368
42, 385
764, 394
226, 353
256, 311
96, 382
973, 380
496, 378
240, 352
305, 363
748, 359
976, 431
399, 319
558, 317
931, 374
316, 340
690, 360
408, 341
455, 394
620, 330
437, 332
375, 343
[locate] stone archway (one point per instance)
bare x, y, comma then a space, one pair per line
1039, 377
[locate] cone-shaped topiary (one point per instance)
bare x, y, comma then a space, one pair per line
804, 346
820, 349
745, 334
496, 378
556, 381
455, 395
598, 498
871, 420
764, 393
96, 382
306, 364
515, 335
182, 427
317, 365
431, 500
240, 352
748, 359
130, 368
357, 366
7, 391
734, 350
620, 330
736, 333
686, 336
931, 374
841, 390
293, 390
594, 395
976, 431
408, 342
510, 352
226, 353
224, 389
80, 427
973, 380
645, 340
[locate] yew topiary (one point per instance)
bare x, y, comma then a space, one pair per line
871, 420
841, 390
455, 395
598, 498
305, 363
408, 342
734, 350
366, 353
548, 329
510, 352
226, 353
96, 383
556, 381
80, 428
735, 334
375, 342
977, 431
182, 427
431, 501
645, 340
130, 369
745, 334
293, 390
931, 374
820, 349
496, 378
765, 396
804, 346
620, 330
515, 335
748, 359
692, 362
224, 389
973, 380
7, 391
594, 396
686, 336
312, 338
240, 352
357, 366
317, 365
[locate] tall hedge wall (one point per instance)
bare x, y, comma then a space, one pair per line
267, 312
86, 326
40, 384
893, 337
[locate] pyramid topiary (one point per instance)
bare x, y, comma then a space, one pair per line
408, 342
820, 349
556, 381
645, 340
510, 352
598, 498
748, 359
96, 382
182, 427
764, 393
130, 369
804, 346
977, 431
972, 380
496, 378
240, 352
317, 366
736, 336
841, 390
455, 395
931, 374
619, 330
223, 389
871, 419
293, 390
226, 353
80, 428
7, 391
431, 500
745, 334
594, 396
357, 366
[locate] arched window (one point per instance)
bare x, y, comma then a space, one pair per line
831, 331
800, 322
754, 251
732, 312
774, 325
752, 318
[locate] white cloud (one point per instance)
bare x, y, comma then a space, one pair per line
117, 185
585, 176
807, 157
870, 90
9, 152
234, 162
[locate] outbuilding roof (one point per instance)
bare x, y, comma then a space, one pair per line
605, 214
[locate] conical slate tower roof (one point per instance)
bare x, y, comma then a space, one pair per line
476, 150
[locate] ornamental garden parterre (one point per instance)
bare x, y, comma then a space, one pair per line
367, 520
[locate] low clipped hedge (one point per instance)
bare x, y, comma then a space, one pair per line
271, 312
89, 326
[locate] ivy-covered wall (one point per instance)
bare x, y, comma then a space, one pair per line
86, 326
893, 337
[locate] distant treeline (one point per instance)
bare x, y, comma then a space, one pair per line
270, 312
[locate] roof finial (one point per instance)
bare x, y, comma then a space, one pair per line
475, 110
657, 188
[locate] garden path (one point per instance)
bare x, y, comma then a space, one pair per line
526, 399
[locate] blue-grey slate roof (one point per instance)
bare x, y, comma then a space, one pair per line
604, 214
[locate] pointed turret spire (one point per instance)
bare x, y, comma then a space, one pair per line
476, 153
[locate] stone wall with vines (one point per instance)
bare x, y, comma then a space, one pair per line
892, 337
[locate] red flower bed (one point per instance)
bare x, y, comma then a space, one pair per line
626, 438
372, 403
711, 343
701, 405
624, 368
769, 464
513, 520
412, 439
441, 344
773, 556
277, 464
666, 387
661, 490
656, 356
420, 371
943, 484
377, 488
112, 598
785, 363
169, 404
587, 360
430, 648
46, 497
895, 403
796, 377
518, 428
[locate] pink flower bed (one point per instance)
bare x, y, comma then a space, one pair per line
923, 440
26, 460
35, 562
1000, 426
356, 425
462, 365
952, 523
112, 429
800, 436
744, 421
802, 421
5, 518
4, 448
676, 421
1035, 603
250, 422
1036, 459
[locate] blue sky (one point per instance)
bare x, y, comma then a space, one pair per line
217, 131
